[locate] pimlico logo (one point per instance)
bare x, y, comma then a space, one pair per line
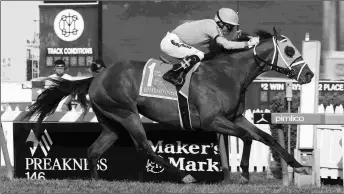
69, 25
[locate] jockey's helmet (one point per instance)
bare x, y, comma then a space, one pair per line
227, 16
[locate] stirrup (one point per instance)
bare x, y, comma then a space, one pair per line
180, 81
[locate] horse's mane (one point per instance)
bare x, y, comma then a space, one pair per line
263, 35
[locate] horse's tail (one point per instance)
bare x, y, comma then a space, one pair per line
50, 98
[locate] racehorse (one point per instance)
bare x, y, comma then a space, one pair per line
216, 99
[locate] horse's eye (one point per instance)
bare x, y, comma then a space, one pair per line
289, 51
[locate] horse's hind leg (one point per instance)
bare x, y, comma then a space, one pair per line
131, 121
104, 142
133, 124
224, 158
245, 159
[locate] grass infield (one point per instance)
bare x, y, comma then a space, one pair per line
259, 183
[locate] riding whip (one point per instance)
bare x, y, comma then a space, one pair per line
238, 30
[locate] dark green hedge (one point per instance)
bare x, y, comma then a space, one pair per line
278, 104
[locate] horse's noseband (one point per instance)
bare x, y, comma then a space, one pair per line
286, 71
289, 72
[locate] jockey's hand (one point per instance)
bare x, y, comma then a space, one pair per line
253, 41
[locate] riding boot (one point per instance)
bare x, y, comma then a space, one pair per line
177, 74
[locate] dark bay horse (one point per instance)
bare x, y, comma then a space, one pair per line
216, 97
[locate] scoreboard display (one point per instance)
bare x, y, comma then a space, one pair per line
323, 86
261, 92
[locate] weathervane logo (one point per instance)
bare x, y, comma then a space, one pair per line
45, 143
68, 25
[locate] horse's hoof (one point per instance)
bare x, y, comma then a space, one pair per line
243, 180
188, 179
301, 170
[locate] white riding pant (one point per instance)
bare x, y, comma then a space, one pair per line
173, 46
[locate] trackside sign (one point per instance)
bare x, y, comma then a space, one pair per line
57, 155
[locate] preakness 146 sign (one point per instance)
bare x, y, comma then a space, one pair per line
37, 167
57, 155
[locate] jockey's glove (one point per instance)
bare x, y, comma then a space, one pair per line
253, 41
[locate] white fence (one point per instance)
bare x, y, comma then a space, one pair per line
330, 141
13, 92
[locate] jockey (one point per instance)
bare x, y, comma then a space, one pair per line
181, 41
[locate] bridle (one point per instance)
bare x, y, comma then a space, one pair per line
273, 64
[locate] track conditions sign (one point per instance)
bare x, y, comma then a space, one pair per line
70, 51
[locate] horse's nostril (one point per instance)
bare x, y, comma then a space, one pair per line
309, 75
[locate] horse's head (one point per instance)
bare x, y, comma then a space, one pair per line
287, 59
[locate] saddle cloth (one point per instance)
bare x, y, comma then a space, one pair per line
153, 85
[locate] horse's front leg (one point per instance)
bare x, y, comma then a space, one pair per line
244, 129
245, 159
224, 127
261, 136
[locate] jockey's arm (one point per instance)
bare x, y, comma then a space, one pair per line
231, 44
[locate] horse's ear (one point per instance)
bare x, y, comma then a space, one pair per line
277, 34
275, 31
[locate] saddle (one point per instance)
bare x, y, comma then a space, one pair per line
179, 93
153, 85
171, 60
168, 59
